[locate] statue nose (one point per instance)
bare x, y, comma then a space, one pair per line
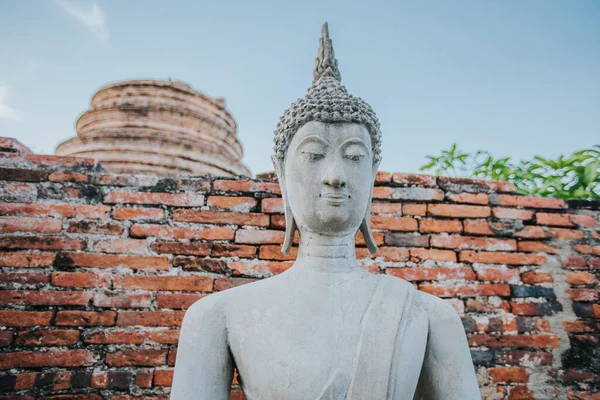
334, 176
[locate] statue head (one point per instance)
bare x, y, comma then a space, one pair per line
327, 150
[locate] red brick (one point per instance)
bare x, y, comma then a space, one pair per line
13, 192
534, 277
24, 318
26, 260
122, 246
579, 278
95, 227
6, 338
512, 213
440, 225
177, 300
534, 341
272, 205
200, 264
33, 225
583, 220
144, 380
91, 260
414, 209
25, 381
177, 199
150, 318
42, 243
254, 236
537, 247
126, 299
532, 232
378, 237
594, 263
414, 179
220, 217
12, 145
68, 176
164, 231
163, 377
246, 186
567, 234
138, 213
581, 326
261, 267
494, 257
241, 204
277, 221
394, 254
387, 208
80, 279
407, 193
394, 223
382, 177
477, 227
487, 305
524, 357
510, 200
585, 249
431, 274
185, 248
44, 298
85, 318
48, 359
233, 250
458, 211
273, 252
509, 374
553, 219
124, 180
468, 198
531, 308
583, 294
55, 210
227, 283
24, 278
419, 255
144, 358
466, 290
574, 262
193, 283
472, 242
47, 338
129, 336
497, 274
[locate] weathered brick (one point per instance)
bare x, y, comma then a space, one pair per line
177, 199
532, 232
175, 232
509, 374
272, 205
55, 210
121, 246
273, 252
419, 255
469, 185
440, 225
574, 262
138, 213
144, 379
406, 240
533, 277
491, 304
407, 193
579, 278
6, 338
45, 298
534, 308
25, 318
18, 192
252, 236
503, 274
12, 145
585, 249
24, 278
537, 247
553, 219
466, 290
68, 176
382, 177
494, 257
195, 283
32, 225
394, 223
163, 377
47, 338
255, 267
532, 291
431, 274
419, 210
200, 264
150, 318
510, 200
524, 357
177, 300
26, 260
80, 279
85, 318
91, 260
531, 341
144, 358
122, 299
185, 248
458, 211
581, 294
229, 282
246, 186
220, 217
131, 336
414, 179
95, 227
240, 204
387, 208
42, 243
512, 213
468, 198
48, 359
583, 220
472, 242
393, 254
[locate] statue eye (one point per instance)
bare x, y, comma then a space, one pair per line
354, 156
313, 156
354, 153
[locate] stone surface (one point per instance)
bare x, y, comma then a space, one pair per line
162, 128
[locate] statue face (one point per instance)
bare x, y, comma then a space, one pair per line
329, 175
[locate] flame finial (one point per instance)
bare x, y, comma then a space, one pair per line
326, 64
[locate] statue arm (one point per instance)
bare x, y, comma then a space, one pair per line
447, 371
204, 366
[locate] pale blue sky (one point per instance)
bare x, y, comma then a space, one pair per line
518, 78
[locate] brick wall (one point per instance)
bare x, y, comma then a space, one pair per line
97, 270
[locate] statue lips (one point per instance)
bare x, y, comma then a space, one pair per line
335, 199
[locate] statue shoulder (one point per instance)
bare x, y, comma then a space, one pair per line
440, 313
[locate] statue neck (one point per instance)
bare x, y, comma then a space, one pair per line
323, 253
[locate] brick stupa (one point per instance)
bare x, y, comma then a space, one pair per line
161, 128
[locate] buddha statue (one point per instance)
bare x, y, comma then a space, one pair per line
325, 328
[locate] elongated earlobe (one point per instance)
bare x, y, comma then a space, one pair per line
290, 223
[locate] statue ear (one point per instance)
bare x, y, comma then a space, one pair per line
290, 223
365, 226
